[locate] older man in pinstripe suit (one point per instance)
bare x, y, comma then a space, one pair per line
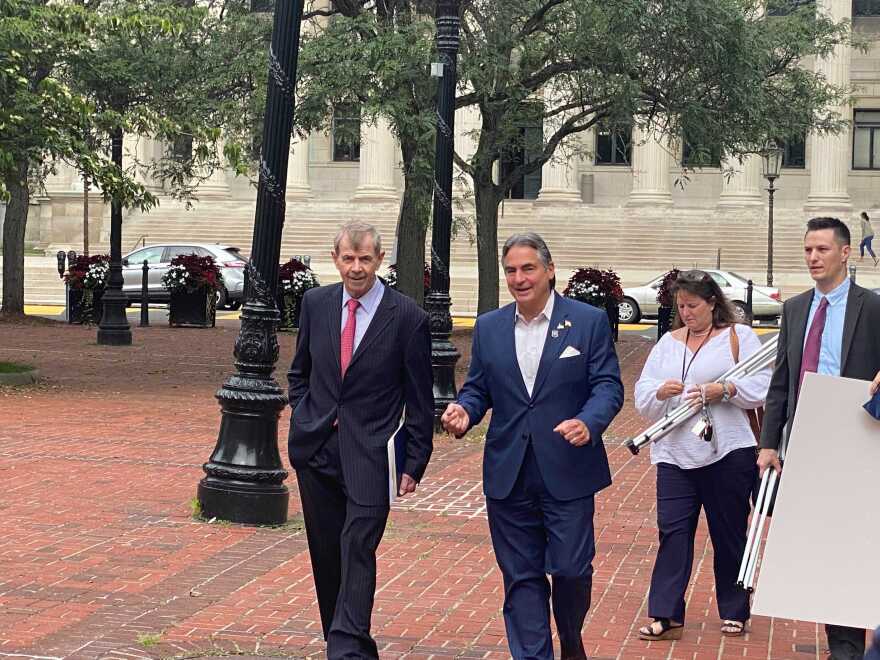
363, 353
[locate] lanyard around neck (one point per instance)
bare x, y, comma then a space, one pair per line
684, 371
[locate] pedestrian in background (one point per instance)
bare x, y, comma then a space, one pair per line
867, 237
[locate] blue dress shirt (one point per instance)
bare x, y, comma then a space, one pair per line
369, 303
832, 335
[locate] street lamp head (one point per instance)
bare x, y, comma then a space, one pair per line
771, 160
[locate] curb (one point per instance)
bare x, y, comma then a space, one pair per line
21, 378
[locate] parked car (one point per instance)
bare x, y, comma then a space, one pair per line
159, 259
641, 301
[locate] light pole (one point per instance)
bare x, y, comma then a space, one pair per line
771, 163
244, 478
113, 330
443, 354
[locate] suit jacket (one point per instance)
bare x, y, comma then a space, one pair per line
390, 368
859, 356
586, 387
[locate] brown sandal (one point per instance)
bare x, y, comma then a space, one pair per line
731, 628
667, 631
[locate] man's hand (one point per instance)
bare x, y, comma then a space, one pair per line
407, 485
455, 420
575, 431
768, 458
875, 384
669, 389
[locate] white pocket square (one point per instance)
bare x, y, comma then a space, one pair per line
570, 351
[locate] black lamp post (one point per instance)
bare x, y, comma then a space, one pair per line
113, 330
244, 476
443, 354
771, 163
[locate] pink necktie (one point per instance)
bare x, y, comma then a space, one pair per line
810, 360
347, 343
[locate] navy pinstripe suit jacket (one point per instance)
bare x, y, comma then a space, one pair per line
390, 368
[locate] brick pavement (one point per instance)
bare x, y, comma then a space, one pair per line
101, 558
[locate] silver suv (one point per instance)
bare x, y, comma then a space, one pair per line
159, 259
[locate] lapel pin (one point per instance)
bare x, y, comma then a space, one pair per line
554, 333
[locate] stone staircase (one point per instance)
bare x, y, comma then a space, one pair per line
637, 243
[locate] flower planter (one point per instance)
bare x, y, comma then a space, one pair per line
289, 305
85, 306
193, 308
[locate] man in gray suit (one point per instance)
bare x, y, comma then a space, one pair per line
832, 329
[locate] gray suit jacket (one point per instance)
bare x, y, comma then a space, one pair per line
859, 357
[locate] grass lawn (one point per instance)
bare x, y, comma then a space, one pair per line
14, 368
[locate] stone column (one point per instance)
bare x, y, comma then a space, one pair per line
467, 120
146, 155
651, 162
378, 158
744, 187
830, 154
215, 185
298, 171
559, 179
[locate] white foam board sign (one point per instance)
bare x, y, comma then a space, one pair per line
822, 557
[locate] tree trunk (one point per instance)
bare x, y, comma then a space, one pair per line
13, 241
412, 228
487, 202
86, 215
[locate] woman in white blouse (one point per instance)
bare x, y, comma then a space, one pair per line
709, 461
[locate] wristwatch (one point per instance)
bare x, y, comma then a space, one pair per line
725, 396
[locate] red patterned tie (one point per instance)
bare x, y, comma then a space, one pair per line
347, 344
810, 360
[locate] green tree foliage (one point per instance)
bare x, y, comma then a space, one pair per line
714, 69
37, 115
379, 60
717, 70
168, 70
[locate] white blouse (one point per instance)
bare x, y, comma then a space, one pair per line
681, 447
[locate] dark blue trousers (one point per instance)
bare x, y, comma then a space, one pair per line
723, 489
535, 535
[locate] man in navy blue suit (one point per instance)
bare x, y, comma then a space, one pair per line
362, 354
546, 366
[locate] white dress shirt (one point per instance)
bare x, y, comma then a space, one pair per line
681, 447
530, 337
369, 303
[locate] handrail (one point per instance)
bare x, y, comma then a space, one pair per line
142, 240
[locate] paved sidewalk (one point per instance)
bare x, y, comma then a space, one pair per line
101, 558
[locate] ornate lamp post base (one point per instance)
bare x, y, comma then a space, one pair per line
244, 476
444, 355
114, 329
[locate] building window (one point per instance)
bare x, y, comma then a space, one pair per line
786, 7
613, 145
262, 6
866, 140
694, 154
866, 7
347, 132
182, 148
794, 153
525, 148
